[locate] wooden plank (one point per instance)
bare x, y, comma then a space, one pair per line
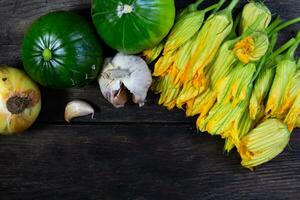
137, 162
54, 103
18, 14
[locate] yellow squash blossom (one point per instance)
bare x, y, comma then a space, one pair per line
164, 63
233, 100
290, 94
237, 84
239, 129
186, 26
261, 87
225, 61
152, 54
201, 104
263, 143
251, 12
293, 114
164, 86
252, 47
182, 59
217, 27
285, 70
184, 29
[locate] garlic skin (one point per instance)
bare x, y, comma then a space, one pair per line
78, 108
122, 73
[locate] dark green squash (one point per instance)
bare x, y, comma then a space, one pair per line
132, 26
60, 50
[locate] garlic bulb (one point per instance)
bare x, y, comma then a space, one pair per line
125, 73
78, 108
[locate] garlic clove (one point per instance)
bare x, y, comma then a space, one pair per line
78, 108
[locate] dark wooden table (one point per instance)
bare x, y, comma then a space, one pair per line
131, 153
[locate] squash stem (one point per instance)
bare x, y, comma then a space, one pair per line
194, 6
283, 48
212, 7
47, 54
219, 5
197, 3
292, 50
284, 25
232, 4
273, 25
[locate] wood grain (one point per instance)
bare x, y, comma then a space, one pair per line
111, 161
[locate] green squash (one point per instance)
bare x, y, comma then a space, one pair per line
61, 50
131, 26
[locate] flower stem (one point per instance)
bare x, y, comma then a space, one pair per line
212, 7
284, 25
194, 6
232, 5
292, 49
273, 25
283, 48
219, 5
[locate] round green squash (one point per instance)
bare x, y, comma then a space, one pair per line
131, 26
61, 50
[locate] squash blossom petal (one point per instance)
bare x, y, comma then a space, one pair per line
223, 64
293, 114
235, 87
217, 27
230, 127
252, 47
152, 54
215, 118
188, 92
210, 38
201, 104
285, 70
172, 93
293, 89
233, 101
184, 29
184, 54
225, 119
186, 26
164, 85
222, 117
263, 143
251, 12
262, 86
164, 63
239, 130
170, 98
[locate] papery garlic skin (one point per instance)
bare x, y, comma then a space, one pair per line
20, 101
125, 72
78, 108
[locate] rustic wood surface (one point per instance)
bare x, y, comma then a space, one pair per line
130, 153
